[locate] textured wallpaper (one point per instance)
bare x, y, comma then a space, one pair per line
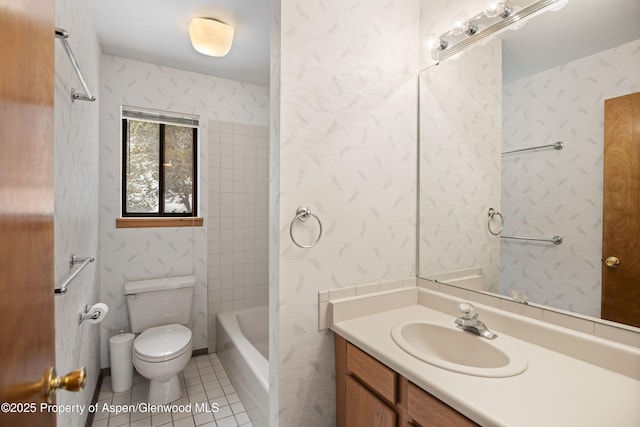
548, 192
274, 211
347, 149
460, 142
76, 201
238, 223
134, 254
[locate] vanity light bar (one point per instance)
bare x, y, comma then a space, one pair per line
446, 49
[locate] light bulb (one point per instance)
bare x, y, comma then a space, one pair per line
499, 8
490, 9
461, 25
457, 24
436, 43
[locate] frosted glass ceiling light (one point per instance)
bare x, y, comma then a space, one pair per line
210, 36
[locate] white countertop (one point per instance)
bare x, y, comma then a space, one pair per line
555, 390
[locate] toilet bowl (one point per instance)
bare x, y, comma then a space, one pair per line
159, 354
159, 309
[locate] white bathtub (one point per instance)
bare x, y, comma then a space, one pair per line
242, 345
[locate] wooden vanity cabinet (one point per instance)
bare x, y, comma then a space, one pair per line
369, 393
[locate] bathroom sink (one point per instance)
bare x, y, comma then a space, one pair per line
459, 351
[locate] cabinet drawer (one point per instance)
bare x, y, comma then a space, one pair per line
427, 411
372, 373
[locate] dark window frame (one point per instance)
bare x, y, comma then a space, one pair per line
161, 201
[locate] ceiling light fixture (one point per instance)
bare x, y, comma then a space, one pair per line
210, 36
497, 16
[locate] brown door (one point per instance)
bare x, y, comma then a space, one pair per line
621, 211
26, 208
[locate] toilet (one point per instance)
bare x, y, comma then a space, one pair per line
159, 309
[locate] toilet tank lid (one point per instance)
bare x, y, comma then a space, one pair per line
149, 285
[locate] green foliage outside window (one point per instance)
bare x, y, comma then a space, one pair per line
159, 167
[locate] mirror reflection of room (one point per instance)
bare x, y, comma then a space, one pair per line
490, 107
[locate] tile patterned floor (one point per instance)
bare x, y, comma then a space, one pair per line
203, 380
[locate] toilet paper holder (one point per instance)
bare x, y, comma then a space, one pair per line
88, 314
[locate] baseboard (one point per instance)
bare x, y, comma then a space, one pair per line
96, 393
200, 352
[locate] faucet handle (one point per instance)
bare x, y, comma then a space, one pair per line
467, 310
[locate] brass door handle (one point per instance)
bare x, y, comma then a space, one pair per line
47, 386
612, 262
73, 381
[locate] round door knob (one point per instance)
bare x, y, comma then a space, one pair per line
73, 381
612, 262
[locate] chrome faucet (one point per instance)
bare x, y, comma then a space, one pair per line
468, 321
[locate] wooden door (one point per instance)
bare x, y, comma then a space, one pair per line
621, 211
26, 207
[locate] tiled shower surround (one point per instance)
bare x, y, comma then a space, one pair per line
237, 272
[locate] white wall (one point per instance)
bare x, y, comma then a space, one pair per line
76, 201
346, 147
550, 192
132, 254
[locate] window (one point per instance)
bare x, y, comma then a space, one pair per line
159, 167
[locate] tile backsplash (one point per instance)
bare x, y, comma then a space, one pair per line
622, 334
365, 289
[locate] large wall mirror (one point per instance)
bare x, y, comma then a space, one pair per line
545, 82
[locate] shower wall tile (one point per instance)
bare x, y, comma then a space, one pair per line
346, 148
550, 192
76, 201
133, 254
237, 272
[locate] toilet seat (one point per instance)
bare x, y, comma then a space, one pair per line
162, 343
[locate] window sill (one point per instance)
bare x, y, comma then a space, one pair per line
159, 222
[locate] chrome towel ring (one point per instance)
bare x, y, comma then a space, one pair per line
492, 214
303, 213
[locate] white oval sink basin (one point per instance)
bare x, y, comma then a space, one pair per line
459, 351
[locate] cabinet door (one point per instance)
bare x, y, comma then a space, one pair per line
427, 411
364, 409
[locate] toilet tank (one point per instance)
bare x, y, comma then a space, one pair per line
159, 302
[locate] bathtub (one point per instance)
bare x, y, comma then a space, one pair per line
242, 345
